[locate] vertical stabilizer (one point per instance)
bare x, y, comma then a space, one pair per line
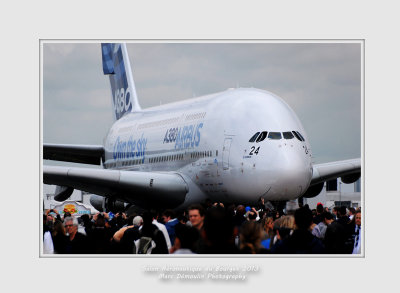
116, 65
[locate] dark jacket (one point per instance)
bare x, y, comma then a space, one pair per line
100, 240
318, 219
126, 246
132, 234
78, 245
60, 242
300, 242
338, 237
171, 229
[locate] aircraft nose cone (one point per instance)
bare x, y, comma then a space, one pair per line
294, 174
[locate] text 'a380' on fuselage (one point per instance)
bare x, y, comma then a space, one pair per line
207, 141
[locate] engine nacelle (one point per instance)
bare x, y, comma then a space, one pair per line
102, 204
62, 193
313, 190
350, 178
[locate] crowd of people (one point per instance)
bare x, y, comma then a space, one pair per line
208, 228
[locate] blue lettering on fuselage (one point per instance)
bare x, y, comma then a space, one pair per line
129, 149
188, 136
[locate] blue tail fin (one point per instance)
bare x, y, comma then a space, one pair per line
116, 65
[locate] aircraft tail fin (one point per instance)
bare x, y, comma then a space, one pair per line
116, 65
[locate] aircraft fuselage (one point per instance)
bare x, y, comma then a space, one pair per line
206, 141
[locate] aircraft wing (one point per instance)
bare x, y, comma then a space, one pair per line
85, 154
332, 170
141, 188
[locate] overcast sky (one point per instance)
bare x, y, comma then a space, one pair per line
320, 81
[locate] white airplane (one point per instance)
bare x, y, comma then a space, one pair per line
233, 146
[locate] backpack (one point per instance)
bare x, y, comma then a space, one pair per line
145, 244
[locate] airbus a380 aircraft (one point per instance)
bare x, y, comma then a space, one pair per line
233, 146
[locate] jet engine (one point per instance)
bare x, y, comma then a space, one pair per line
350, 178
313, 190
62, 193
102, 204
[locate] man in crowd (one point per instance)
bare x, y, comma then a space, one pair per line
318, 217
196, 216
301, 241
77, 242
170, 222
337, 234
320, 229
185, 239
48, 222
218, 233
335, 213
351, 213
161, 227
100, 236
150, 229
357, 239
239, 216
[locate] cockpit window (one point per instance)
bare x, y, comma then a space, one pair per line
262, 136
287, 135
253, 138
275, 135
302, 138
298, 136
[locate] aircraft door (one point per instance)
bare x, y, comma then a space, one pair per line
226, 152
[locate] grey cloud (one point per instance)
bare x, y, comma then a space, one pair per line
321, 82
